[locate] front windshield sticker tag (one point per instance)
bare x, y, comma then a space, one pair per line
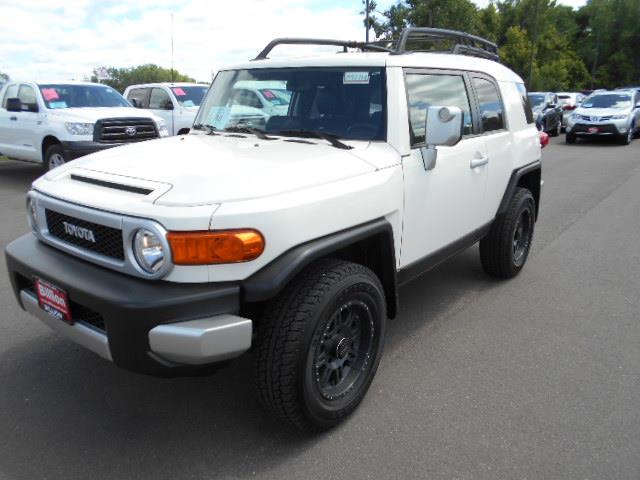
188, 103
355, 78
50, 94
219, 117
59, 104
179, 92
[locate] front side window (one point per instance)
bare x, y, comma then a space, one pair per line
426, 90
189, 96
159, 100
491, 111
81, 96
343, 102
27, 95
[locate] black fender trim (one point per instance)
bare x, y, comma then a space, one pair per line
516, 175
271, 279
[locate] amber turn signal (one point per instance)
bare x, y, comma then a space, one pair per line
221, 246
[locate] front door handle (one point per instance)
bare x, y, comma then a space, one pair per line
479, 160
15, 119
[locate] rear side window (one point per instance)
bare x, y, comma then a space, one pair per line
140, 96
526, 105
491, 110
426, 90
159, 100
12, 92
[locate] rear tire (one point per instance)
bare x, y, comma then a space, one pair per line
54, 157
558, 129
319, 344
504, 251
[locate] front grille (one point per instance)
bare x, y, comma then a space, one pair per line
79, 312
124, 130
595, 119
108, 240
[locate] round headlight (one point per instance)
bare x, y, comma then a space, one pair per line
32, 214
148, 250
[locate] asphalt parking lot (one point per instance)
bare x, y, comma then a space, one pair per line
534, 378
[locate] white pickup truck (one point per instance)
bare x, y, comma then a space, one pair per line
290, 238
176, 103
54, 122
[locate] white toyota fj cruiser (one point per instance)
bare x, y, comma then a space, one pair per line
292, 237
54, 122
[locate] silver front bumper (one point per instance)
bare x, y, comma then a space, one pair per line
196, 342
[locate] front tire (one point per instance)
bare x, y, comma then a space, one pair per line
570, 138
320, 343
558, 129
54, 157
504, 251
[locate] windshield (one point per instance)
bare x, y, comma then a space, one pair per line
536, 100
346, 103
190, 96
78, 96
608, 101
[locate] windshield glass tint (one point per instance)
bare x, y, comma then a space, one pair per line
346, 102
607, 101
536, 100
74, 96
190, 96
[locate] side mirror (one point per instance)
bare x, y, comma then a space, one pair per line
637, 105
168, 106
444, 127
135, 103
14, 105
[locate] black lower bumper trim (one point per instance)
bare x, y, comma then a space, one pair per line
583, 129
129, 306
73, 150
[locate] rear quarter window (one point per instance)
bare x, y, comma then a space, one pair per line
526, 105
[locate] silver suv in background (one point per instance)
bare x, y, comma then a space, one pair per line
569, 102
606, 113
176, 103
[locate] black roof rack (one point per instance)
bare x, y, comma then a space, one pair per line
465, 43
319, 41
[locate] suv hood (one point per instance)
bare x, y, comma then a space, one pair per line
93, 114
200, 169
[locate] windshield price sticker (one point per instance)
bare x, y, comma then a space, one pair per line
50, 94
179, 92
60, 104
355, 78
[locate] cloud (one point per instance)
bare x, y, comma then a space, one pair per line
68, 39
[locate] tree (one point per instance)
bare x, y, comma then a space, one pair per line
121, 78
4, 78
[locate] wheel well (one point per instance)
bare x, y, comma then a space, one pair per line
531, 181
47, 142
377, 253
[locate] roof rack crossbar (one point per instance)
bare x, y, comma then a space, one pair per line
466, 43
320, 41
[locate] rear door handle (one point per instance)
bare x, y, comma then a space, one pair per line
479, 160
13, 118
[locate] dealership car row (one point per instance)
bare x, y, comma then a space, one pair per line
612, 113
54, 122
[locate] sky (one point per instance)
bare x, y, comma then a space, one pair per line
48, 40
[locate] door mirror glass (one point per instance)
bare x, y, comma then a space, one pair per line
443, 126
14, 105
134, 102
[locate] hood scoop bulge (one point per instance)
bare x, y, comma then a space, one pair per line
107, 184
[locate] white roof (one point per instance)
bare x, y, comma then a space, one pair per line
169, 84
381, 59
57, 82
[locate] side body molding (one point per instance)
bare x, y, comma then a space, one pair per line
350, 244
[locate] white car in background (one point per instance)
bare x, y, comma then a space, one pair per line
54, 122
569, 101
176, 103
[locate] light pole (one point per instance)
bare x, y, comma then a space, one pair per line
366, 11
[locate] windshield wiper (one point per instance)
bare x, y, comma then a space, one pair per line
256, 131
211, 130
329, 137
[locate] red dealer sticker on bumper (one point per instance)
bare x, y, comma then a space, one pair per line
53, 300
593, 129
